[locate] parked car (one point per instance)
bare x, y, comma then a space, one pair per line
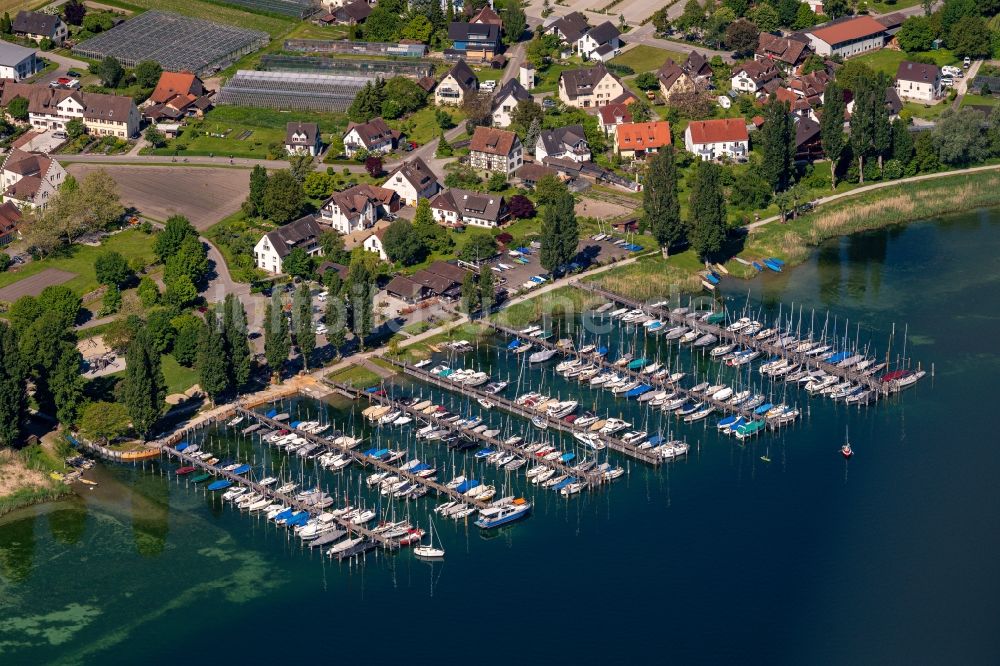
967, 62
73, 73
548, 103
947, 81
321, 329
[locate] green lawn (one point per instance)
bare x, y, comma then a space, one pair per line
422, 127
272, 24
647, 58
887, 60
79, 259
979, 100
928, 111
220, 131
889, 7
356, 376
179, 378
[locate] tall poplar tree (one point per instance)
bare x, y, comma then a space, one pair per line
305, 333
277, 343
871, 133
143, 389
660, 202
777, 141
560, 234
487, 289
360, 287
831, 127
707, 210
67, 384
239, 357
213, 374
13, 397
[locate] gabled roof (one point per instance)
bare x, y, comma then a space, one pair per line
574, 25
180, 89
584, 81
837, 32
404, 286
612, 113
26, 164
917, 72
554, 140
492, 141
488, 16
463, 75
806, 129
643, 136
294, 234
12, 54
35, 23
718, 130
477, 32
10, 218
43, 100
446, 270
604, 33
892, 21
356, 11
512, 88
485, 206
782, 49
373, 132
759, 72
669, 72
310, 130
696, 65
416, 172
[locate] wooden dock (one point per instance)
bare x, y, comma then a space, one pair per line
522, 411
594, 478
748, 341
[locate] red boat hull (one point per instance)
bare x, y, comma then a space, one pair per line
185, 470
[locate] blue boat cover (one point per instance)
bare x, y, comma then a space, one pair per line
242, 469
371, 389
763, 408
419, 468
370, 452
728, 421
219, 485
467, 485
566, 457
182, 446
514, 344
775, 260
271, 414
656, 439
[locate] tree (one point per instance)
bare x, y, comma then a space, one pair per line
75, 128
831, 128
13, 397
147, 73
739, 7
181, 292
300, 165
954, 11
360, 296
17, 108
305, 333
254, 204
67, 384
497, 182
433, 236
167, 242
470, 293
916, 34
190, 260
60, 302
660, 202
478, 109
74, 11
277, 343
487, 289
160, 324
646, 81
373, 165
557, 234
480, 246
382, 25
523, 116
869, 122
520, 207
154, 137
531, 135
237, 346
693, 16
765, 17
368, 102
787, 11
298, 263
6, 25
742, 36
187, 329
283, 197
777, 141
97, 203
514, 20
111, 268
111, 302
961, 137
661, 21
212, 372
143, 388
902, 142
750, 190
971, 37
104, 421
640, 110
419, 28
834, 9
443, 148
804, 17
109, 71
707, 210
548, 188
402, 243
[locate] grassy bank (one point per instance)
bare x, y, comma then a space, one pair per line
355, 376
25, 480
421, 350
560, 301
653, 276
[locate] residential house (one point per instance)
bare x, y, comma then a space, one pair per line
505, 101
37, 26
783, 52
847, 37
352, 13
487, 16
569, 28
569, 142
17, 62
893, 103
407, 290
275, 246
373, 136
918, 81
373, 242
10, 223
718, 139
302, 139
177, 94
636, 140
455, 207
474, 41
798, 106
815, 5
674, 80
30, 180
495, 150
456, 84
52, 108
697, 68
610, 116
600, 42
752, 77
412, 181
808, 140
811, 87
589, 87
530, 173
357, 208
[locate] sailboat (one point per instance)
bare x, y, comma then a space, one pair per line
846, 449
429, 552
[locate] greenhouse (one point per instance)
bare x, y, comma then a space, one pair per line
291, 90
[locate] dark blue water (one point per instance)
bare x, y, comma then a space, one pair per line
717, 558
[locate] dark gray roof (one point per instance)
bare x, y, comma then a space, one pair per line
696, 65
357, 11
311, 131
417, 172
485, 33
553, 140
917, 72
574, 26
300, 233
513, 88
35, 23
12, 54
464, 76
892, 101
471, 204
604, 33
806, 129
582, 81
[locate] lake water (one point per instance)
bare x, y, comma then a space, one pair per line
719, 557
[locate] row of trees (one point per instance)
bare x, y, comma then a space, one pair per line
479, 291
714, 22
185, 261
278, 197
963, 25
388, 98
427, 21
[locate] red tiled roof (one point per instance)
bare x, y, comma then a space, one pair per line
611, 112
492, 141
642, 136
718, 131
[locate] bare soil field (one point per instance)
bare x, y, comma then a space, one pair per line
204, 195
599, 209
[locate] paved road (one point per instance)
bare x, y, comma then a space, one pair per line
65, 64
963, 83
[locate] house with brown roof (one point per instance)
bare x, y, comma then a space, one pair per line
487, 16
589, 87
302, 139
600, 42
752, 77
674, 80
918, 81
847, 37
808, 140
52, 108
413, 180
610, 116
724, 138
455, 207
30, 180
357, 208
783, 52
636, 140
37, 26
177, 94
275, 246
456, 84
352, 13
569, 28
495, 150
696, 66
10, 223
407, 289
374, 136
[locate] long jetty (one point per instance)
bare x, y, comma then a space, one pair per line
287, 500
558, 424
594, 478
725, 335
367, 460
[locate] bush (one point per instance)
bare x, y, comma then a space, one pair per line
892, 170
5, 262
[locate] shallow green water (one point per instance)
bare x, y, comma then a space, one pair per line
719, 557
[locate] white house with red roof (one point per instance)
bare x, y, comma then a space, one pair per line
724, 138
